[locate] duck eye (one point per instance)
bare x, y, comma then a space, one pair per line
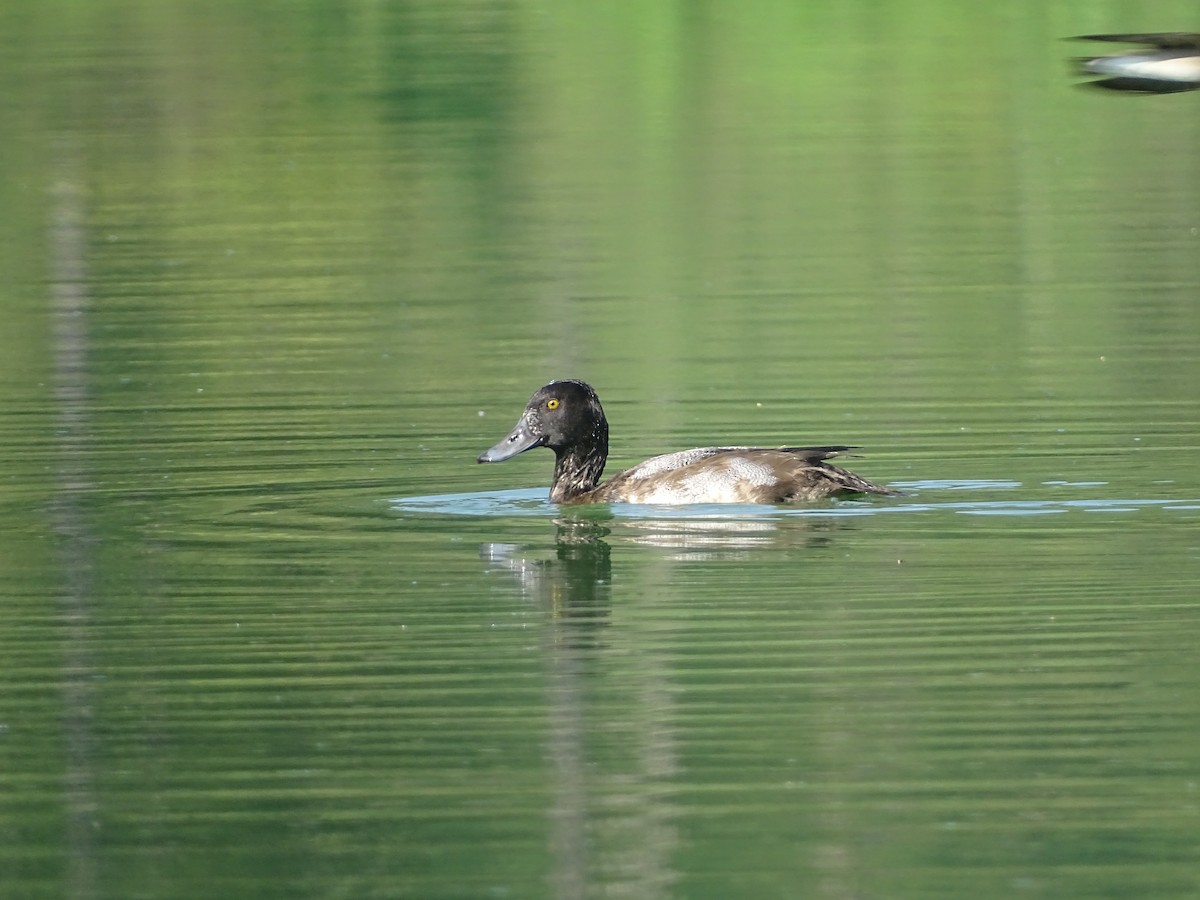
552, 403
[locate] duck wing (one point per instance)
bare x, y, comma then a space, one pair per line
737, 475
670, 462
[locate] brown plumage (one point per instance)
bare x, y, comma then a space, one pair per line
566, 416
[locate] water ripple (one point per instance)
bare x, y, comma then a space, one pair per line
534, 503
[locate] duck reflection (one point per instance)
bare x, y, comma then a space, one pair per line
733, 539
611, 685
573, 579
576, 575
612, 818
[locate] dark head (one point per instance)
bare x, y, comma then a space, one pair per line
565, 416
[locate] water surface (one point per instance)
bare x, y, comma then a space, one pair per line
274, 278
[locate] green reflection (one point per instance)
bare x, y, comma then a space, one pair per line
270, 265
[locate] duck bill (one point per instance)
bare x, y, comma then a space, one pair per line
519, 440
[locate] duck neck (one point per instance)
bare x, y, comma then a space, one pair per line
578, 468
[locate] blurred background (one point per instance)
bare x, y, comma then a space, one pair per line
271, 265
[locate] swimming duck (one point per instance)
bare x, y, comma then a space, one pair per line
1169, 62
566, 416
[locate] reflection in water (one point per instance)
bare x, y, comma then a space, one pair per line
573, 584
610, 828
707, 539
724, 533
69, 298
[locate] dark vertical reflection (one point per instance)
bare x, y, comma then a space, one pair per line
580, 605
68, 303
611, 829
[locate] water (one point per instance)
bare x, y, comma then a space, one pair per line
274, 279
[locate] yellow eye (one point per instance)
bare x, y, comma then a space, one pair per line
552, 404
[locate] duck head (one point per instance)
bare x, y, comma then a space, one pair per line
565, 416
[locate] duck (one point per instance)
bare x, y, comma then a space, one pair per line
567, 417
1168, 62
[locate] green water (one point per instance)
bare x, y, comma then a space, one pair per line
275, 274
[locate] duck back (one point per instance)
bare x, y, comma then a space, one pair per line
735, 475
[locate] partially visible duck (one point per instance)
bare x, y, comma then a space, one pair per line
566, 416
1167, 63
